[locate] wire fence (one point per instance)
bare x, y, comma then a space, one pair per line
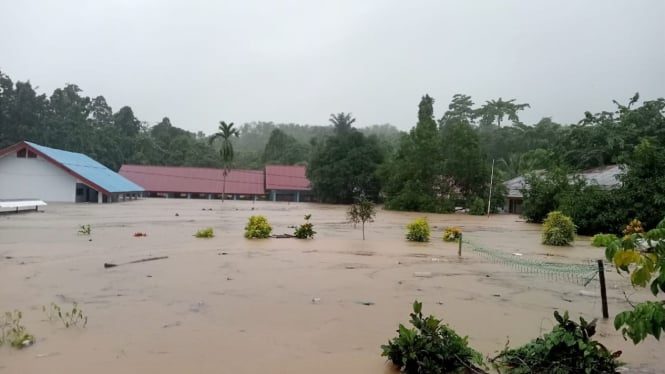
580, 274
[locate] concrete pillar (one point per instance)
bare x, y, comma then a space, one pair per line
297, 196
209, 196
235, 197
273, 195
189, 195
100, 197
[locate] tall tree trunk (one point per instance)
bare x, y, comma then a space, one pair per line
363, 230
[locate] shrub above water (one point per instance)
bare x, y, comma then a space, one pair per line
418, 230
558, 229
257, 228
430, 347
567, 349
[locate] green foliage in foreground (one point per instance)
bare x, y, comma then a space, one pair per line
418, 230
567, 349
205, 233
257, 228
558, 229
430, 347
642, 255
13, 332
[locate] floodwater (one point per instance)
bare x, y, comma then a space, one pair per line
232, 305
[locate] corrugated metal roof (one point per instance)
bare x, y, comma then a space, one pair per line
194, 180
88, 170
290, 178
604, 176
514, 187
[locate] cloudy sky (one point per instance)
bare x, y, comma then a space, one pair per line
297, 61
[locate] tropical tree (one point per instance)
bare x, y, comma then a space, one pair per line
497, 109
413, 178
344, 165
225, 133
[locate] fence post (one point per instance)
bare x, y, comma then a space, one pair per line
603, 291
459, 250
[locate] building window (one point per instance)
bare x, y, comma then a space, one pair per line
21, 153
32, 154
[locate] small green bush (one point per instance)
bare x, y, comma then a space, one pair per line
205, 233
257, 228
418, 230
558, 229
602, 240
477, 207
306, 230
567, 349
430, 347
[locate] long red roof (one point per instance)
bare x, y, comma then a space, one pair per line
194, 180
290, 178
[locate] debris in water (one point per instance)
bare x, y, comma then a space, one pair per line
316, 300
423, 274
365, 303
517, 254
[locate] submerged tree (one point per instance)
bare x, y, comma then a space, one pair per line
361, 211
226, 132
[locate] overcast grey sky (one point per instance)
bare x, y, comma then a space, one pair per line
199, 62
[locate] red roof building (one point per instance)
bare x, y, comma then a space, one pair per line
287, 183
178, 180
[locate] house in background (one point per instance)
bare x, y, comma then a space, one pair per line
604, 176
514, 197
288, 183
32, 171
196, 183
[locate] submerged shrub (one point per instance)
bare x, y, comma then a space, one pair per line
477, 207
418, 230
257, 228
558, 229
306, 230
205, 233
429, 347
13, 332
452, 234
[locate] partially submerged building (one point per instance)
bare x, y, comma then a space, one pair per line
199, 183
604, 176
288, 183
31, 171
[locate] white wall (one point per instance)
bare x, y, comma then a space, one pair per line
35, 178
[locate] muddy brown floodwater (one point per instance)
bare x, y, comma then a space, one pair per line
232, 305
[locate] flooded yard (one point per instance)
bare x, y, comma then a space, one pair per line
232, 305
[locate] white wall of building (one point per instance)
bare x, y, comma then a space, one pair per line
35, 178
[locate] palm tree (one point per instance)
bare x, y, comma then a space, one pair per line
497, 109
342, 121
226, 132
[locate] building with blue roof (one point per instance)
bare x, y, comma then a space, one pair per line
32, 171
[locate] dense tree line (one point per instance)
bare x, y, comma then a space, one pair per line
69, 120
441, 163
